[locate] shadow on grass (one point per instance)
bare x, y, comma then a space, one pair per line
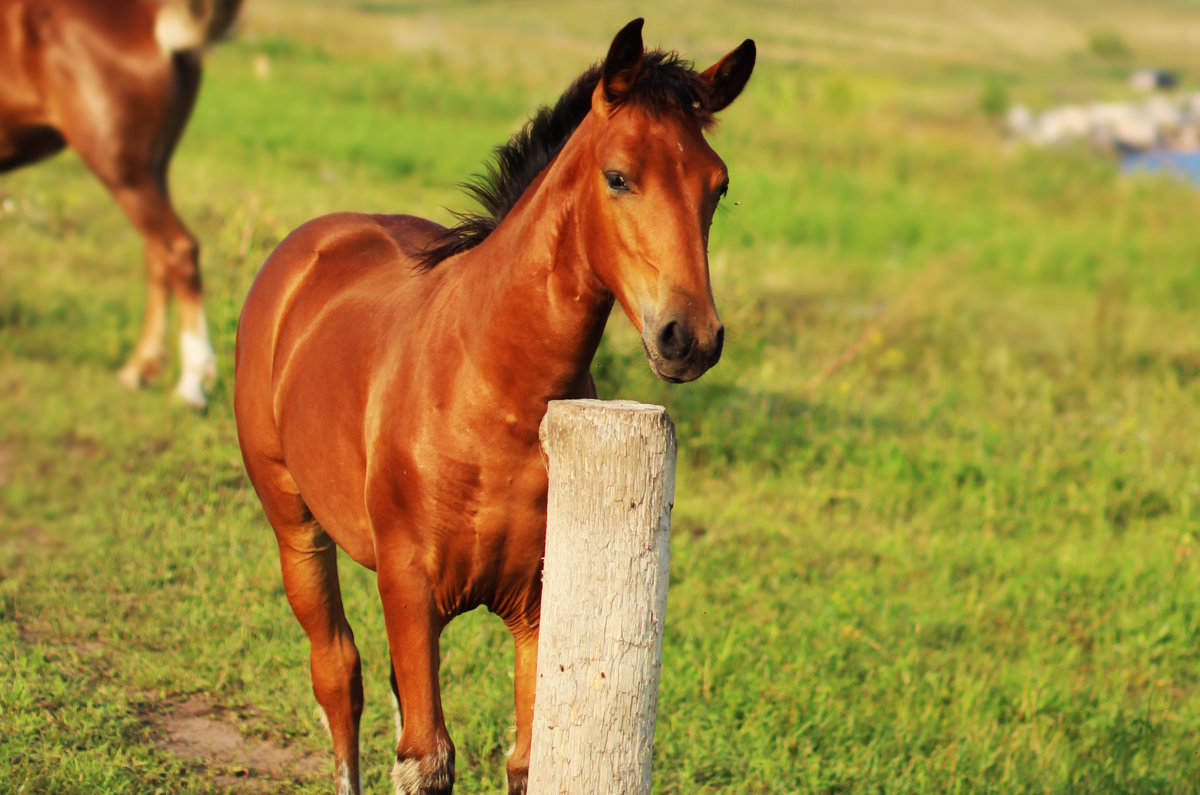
722, 424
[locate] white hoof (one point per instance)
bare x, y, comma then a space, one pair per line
190, 392
199, 368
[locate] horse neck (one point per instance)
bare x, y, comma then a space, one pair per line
543, 308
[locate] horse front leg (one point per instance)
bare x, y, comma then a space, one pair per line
308, 559
525, 681
424, 752
147, 358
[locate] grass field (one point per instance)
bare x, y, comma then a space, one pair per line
937, 521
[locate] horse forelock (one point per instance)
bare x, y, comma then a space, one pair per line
666, 84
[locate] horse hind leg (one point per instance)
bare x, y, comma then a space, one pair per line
308, 558
198, 361
130, 154
397, 713
172, 264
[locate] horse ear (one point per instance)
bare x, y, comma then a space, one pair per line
728, 76
624, 61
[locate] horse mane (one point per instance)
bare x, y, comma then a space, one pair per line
666, 83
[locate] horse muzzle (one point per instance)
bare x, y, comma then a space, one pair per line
678, 352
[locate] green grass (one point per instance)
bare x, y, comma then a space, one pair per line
937, 522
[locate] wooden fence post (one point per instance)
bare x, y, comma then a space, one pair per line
604, 596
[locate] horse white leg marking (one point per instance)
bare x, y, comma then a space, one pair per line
341, 773
409, 779
344, 785
396, 715
199, 365
406, 777
175, 29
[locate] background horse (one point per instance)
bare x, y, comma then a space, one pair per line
391, 375
116, 81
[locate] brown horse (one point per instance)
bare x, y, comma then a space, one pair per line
116, 82
391, 375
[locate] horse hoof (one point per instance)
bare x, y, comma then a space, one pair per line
518, 781
130, 377
139, 371
199, 376
191, 393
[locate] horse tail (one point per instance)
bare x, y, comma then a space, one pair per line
194, 24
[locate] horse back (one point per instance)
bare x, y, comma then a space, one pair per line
340, 257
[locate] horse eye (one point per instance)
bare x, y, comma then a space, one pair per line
723, 191
616, 181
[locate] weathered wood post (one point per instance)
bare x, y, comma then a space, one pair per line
604, 596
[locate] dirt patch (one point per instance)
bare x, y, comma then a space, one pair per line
208, 736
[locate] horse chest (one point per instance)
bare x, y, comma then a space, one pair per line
480, 527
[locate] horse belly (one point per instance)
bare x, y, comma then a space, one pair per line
26, 131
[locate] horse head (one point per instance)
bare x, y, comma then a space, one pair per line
656, 183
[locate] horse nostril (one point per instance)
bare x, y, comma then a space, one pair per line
719, 344
674, 341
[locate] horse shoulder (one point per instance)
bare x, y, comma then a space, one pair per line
307, 282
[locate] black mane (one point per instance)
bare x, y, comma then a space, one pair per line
666, 83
